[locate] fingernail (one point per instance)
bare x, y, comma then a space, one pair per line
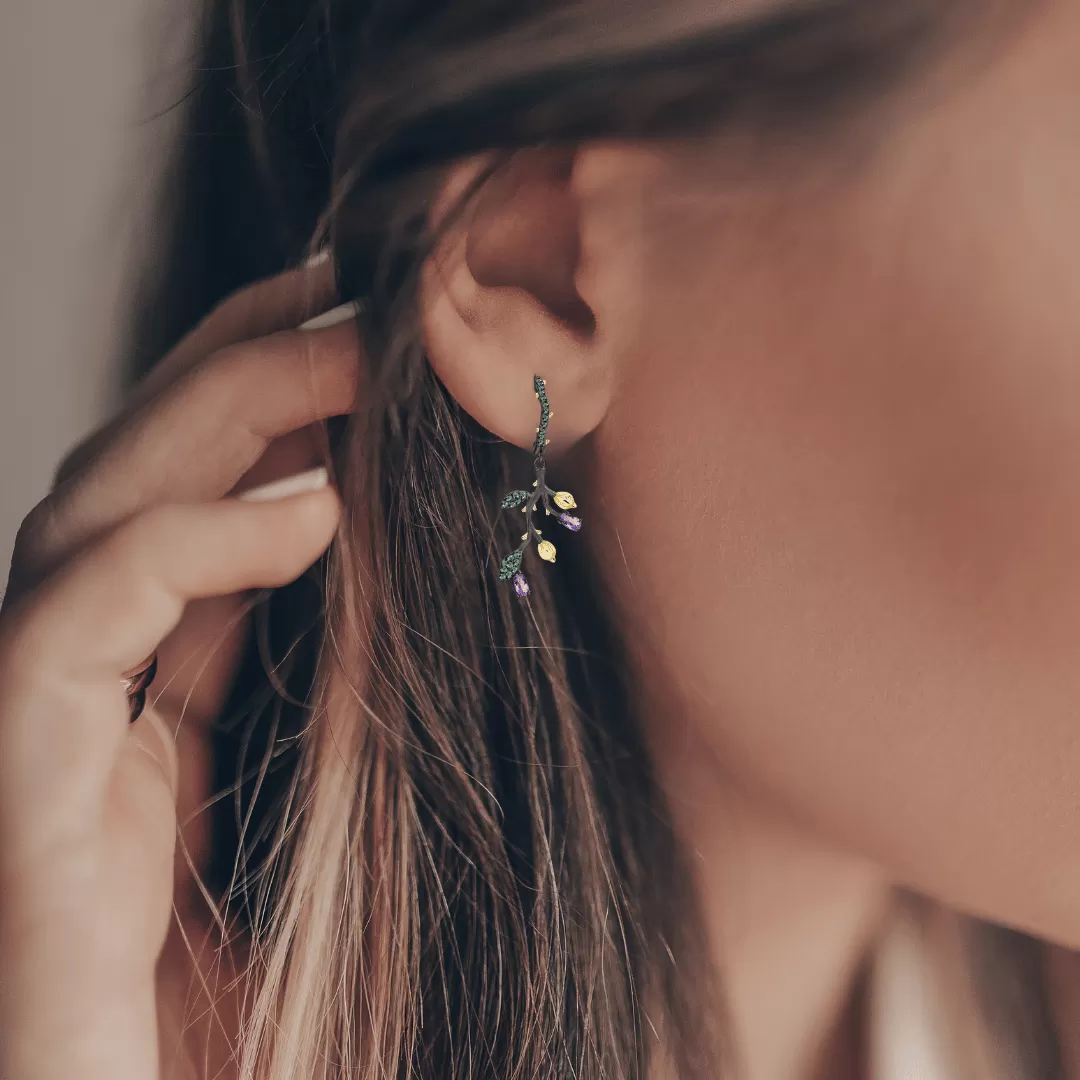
312, 480
318, 258
340, 314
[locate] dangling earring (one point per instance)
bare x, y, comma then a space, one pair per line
511, 565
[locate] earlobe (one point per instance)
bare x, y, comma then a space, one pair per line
500, 301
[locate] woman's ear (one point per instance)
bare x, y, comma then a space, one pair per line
532, 279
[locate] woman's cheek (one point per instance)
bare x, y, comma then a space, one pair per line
857, 554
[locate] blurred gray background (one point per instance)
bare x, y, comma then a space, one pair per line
88, 95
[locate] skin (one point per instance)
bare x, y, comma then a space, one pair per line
825, 443
139, 543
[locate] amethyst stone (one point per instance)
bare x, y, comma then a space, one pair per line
569, 521
521, 586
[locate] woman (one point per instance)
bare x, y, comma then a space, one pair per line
799, 282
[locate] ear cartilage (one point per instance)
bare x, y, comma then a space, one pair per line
510, 569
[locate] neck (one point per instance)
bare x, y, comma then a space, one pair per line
790, 918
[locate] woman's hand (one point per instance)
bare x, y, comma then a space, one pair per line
136, 529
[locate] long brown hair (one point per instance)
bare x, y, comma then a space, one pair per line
443, 837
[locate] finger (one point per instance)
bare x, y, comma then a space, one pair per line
197, 439
140, 821
282, 302
111, 606
63, 649
151, 735
198, 661
139, 830
279, 303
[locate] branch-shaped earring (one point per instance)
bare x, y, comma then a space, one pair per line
511, 565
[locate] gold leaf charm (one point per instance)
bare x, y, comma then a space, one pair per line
564, 500
546, 550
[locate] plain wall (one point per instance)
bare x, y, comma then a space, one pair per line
81, 151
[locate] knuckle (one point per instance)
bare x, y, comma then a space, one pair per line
25, 628
35, 538
242, 383
145, 535
81, 457
138, 553
223, 375
135, 547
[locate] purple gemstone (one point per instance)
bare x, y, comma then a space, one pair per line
521, 586
571, 522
